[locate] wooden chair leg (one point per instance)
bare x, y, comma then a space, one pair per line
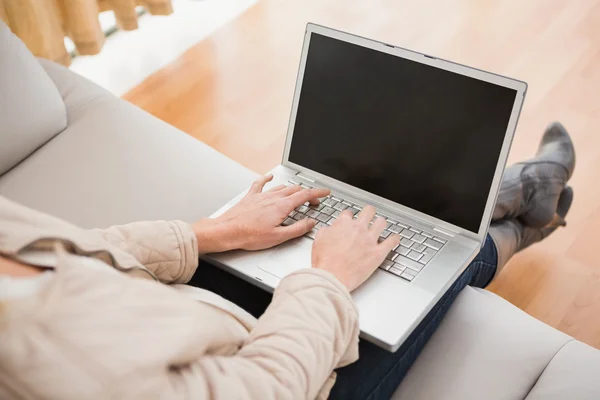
37, 24
125, 14
80, 21
158, 7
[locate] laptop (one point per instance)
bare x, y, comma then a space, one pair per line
422, 139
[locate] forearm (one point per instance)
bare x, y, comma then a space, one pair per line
310, 328
167, 248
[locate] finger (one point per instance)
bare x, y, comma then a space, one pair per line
345, 214
291, 190
320, 233
310, 195
276, 188
259, 184
378, 226
390, 243
367, 214
296, 229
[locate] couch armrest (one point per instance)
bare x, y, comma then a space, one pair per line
573, 373
485, 348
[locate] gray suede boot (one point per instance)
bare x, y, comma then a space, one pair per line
530, 190
511, 236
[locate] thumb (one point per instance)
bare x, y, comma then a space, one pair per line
296, 229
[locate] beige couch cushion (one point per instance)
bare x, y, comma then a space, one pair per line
115, 163
31, 109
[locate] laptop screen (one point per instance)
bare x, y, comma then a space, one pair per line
420, 136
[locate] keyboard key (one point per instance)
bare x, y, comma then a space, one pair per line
336, 198
418, 238
407, 234
395, 229
313, 213
378, 215
434, 244
302, 209
318, 207
385, 234
402, 250
406, 242
391, 255
386, 264
411, 271
327, 210
288, 221
330, 202
323, 217
340, 206
320, 225
353, 210
330, 221
426, 234
399, 266
391, 221
299, 216
418, 247
406, 276
347, 203
416, 268
403, 225
295, 182
395, 271
357, 206
407, 262
336, 214
414, 255
427, 256
439, 239
387, 225
311, 234
415, 230
291, 215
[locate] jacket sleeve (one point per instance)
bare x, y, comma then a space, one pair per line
167, 248
310, 328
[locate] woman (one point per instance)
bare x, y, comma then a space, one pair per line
70, 327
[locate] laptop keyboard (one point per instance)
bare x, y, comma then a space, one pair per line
416, 248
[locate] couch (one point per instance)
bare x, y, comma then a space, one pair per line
72, 149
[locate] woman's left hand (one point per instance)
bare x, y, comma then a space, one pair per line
255, 222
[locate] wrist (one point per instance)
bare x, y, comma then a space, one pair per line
214, 236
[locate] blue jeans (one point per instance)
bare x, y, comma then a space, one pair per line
377, 373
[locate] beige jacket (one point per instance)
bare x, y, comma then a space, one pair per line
93, 332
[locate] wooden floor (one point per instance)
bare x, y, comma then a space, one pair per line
233, 91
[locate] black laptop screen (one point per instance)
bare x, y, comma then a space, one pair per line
423, 137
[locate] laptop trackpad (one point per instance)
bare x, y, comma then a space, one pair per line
288, 257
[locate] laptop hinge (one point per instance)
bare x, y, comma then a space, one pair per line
299, 175
445, 231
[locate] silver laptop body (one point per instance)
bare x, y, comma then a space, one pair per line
424, 140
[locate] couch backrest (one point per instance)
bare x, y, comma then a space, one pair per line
31, 108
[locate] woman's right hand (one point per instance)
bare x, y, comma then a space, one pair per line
349, 248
